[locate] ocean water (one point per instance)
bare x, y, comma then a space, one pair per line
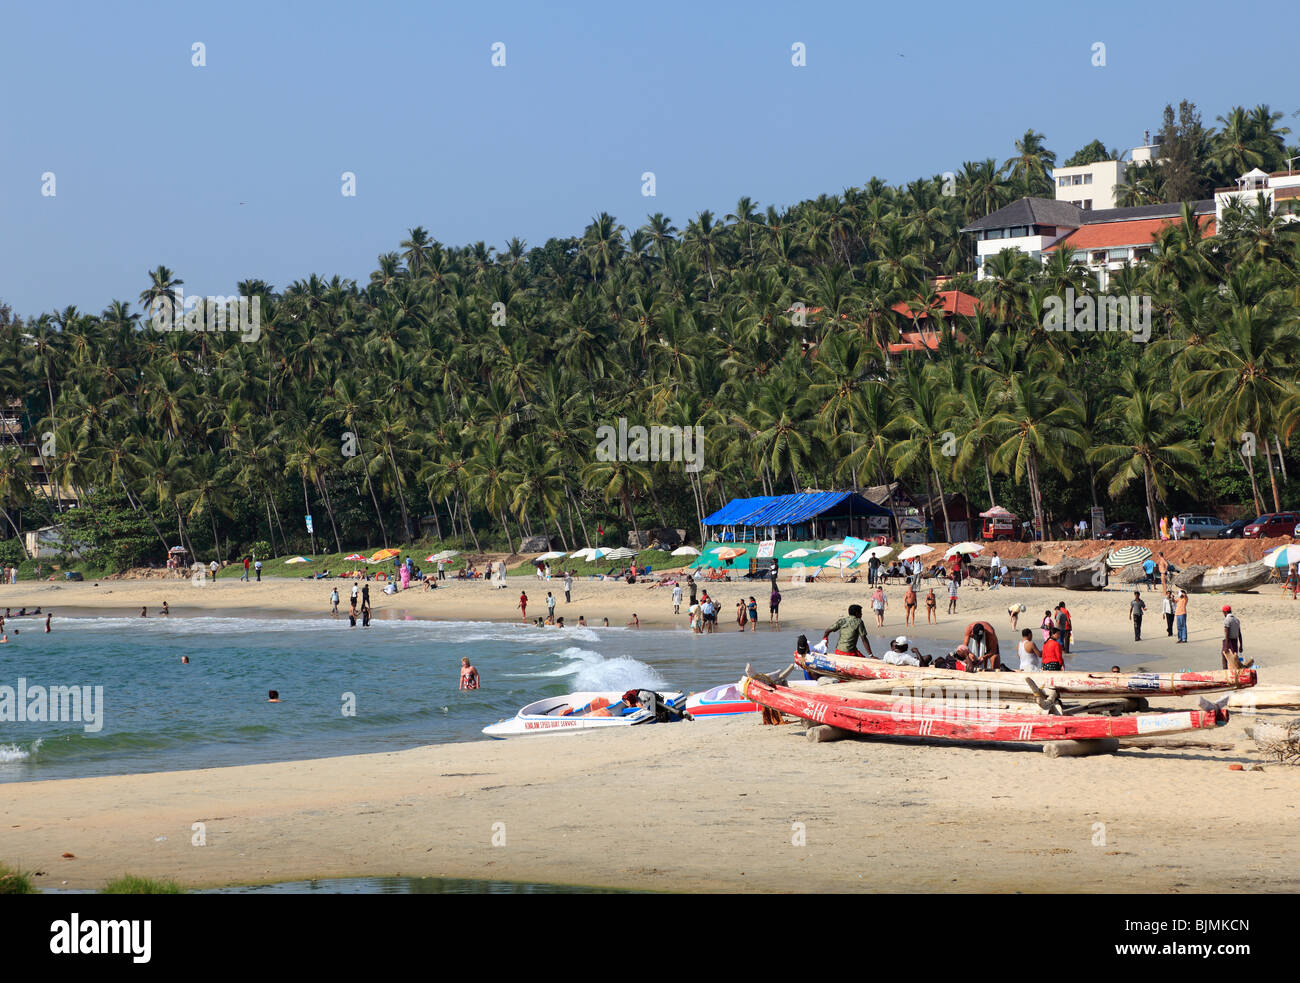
400, 675
403, 675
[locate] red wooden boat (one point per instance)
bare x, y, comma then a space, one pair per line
950, 720
1065, 683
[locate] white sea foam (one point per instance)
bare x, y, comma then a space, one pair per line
12, 752
592, 671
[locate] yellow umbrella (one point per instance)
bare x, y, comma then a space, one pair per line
382, 555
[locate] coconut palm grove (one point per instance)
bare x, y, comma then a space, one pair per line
460, 387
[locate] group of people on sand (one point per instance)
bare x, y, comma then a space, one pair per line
979, 649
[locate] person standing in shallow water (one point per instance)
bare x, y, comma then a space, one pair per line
468, 675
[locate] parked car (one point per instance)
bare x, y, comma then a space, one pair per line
1233, 529
1272, 524
1124, 530
1201, 526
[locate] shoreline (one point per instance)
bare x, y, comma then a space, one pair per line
698, 806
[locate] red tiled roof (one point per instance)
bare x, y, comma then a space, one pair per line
1110, 235
951, 301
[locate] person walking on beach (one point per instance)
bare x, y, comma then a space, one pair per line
353, 606
909, 605
257, 567
878, 605
1149, 568
1163, 564
774, 607
334, 602
1233, 644
568, 586
523, 606
1167, 609
365, 595
550, 605
851, 631
931, 608
468, 675
953, 584
247, 561
873, 569
214, 566
677, 598
1135, 609
1180, 616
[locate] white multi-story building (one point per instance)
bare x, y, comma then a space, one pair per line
1280, 191
1092, 186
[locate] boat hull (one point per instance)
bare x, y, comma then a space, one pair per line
942, 720
1065, 683
546, 717
1246, 576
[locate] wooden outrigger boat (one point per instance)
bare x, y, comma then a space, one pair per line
1065, 683
907, 717
1208, 580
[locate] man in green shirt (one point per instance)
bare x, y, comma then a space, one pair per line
851, 629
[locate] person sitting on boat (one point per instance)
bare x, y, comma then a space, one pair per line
851, 629
982, 641
899, 654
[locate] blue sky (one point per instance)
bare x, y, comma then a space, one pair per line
153, 157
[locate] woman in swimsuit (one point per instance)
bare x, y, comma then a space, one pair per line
931, 608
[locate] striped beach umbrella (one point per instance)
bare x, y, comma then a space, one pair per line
1128, 555
1283, 557
623, 553
589, 555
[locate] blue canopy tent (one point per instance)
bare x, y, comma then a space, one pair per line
805, 515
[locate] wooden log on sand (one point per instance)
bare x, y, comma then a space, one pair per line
1080, 749
1272, 697
821, 733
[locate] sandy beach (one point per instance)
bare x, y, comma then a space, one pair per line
709, 806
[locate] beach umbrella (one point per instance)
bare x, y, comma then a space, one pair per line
552, 555
354, 556
920, 549
178, 549
837, 562
685, 551
444, 555
623, 553
879, 552
1127, 556
966, 549
589, 555
728, 552
1283, 557
382, 555
299, 559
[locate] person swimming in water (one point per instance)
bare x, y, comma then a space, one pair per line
185, 660
274, 697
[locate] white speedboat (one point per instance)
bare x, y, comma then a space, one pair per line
577, 712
